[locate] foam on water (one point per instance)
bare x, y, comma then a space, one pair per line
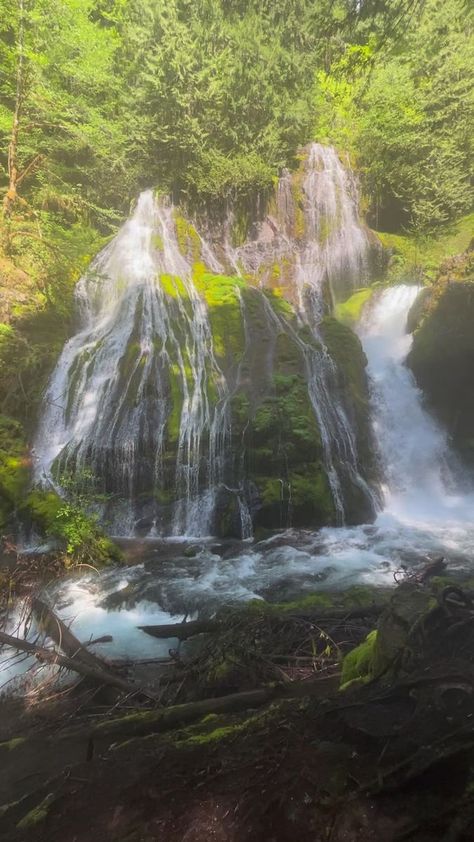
428, 510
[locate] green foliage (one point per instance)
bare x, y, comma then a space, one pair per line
69, 520
358, 663
420, 257
13, 467
405, 112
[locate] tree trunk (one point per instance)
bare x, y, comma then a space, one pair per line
96, 673
144, 722
11, 194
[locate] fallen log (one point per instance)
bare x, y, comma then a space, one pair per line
145, 722
50, 656
63, 637
183, 631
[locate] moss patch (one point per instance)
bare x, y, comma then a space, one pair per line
221, 293
358, 664
14, 467
349, 311
38, 814
189, 242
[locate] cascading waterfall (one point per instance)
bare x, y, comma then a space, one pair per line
111, 387
130, 400
330, 256
334, 252
423, 480
425, 514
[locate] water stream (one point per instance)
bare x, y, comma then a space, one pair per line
109, 402
427, 511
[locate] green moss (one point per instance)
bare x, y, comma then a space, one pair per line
10, 745
38, 814
358, 664
299, 227
173, 286
130, 359
157, 242
349, 311
413, 256
222, 296
189, 242
214, 736
215, 728
176, 388
14, 467
275, 273
313, 600
279, 304
312, 491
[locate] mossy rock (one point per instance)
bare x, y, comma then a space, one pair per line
77, 532
442, 354
349, 311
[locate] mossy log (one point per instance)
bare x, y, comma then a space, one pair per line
141, 722
183, 631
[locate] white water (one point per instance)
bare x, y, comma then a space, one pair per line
423, 480
141, 354
109, 399
424, 515
427, 509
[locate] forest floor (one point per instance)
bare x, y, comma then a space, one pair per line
244, 733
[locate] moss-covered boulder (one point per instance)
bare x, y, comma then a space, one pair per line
442, 355
352, 389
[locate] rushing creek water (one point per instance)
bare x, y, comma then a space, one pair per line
427, 510
145, 330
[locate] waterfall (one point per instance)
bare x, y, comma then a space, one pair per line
423, 480
317, 231
139, 401
144, 336
334, 250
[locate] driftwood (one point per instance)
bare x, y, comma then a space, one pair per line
183, 631
145, 722
62, 636
96, 672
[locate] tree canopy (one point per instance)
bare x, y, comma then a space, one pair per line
101, 97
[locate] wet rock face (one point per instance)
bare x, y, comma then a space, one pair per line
209, 389
442, 355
